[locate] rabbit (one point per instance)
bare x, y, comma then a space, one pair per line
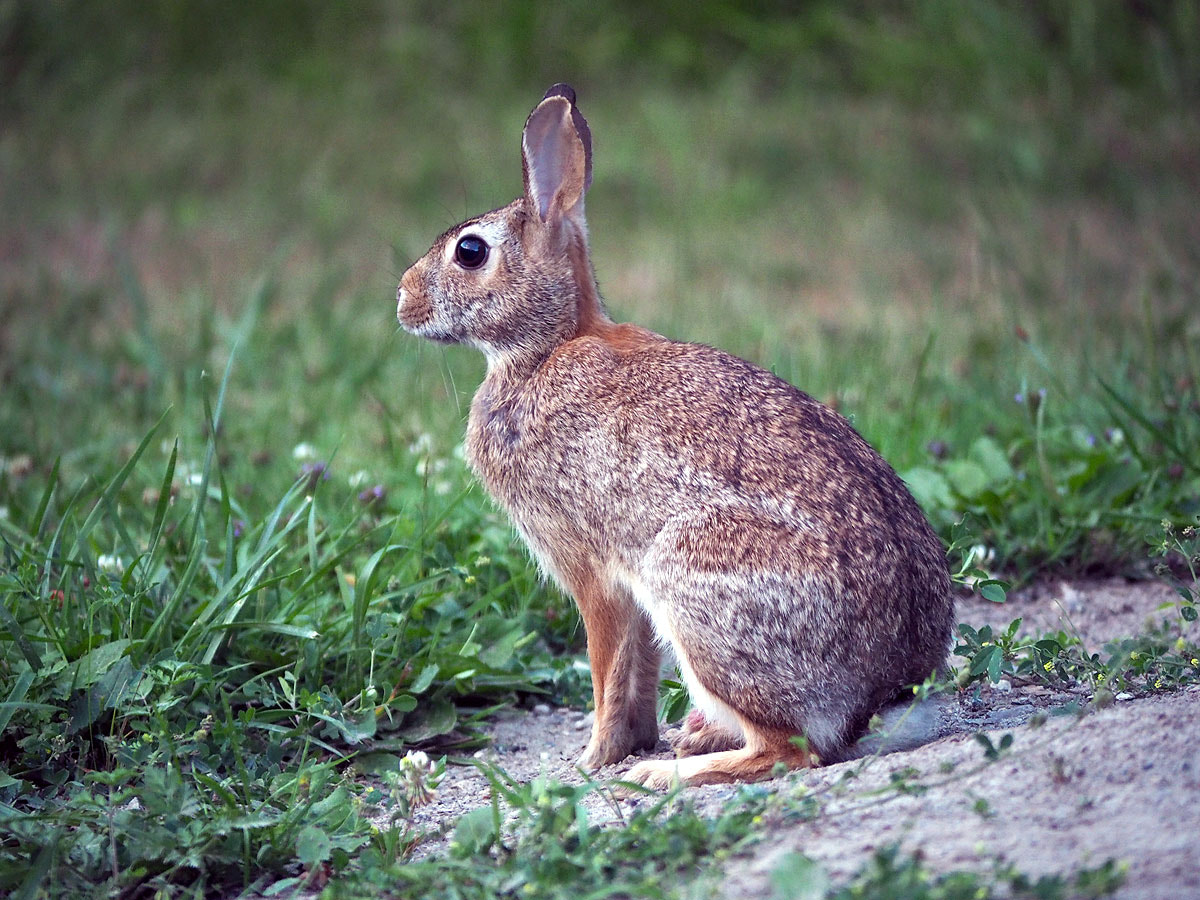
684, 497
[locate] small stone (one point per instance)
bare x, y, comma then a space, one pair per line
1124, 695
581, 724
1003, 686
542, 709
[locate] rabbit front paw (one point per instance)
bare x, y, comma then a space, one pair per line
611, 745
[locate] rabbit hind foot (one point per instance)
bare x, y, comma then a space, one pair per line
701, 734
764, 751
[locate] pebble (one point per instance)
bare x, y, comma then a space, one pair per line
542, 709
1003, 686
1124, 695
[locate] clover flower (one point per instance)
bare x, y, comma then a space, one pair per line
110, 564
372, 495
315, 472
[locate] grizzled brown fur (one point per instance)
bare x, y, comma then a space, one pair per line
684, 497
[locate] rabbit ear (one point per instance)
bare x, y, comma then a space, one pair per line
557, 153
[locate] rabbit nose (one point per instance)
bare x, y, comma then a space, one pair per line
404, 295
414, 307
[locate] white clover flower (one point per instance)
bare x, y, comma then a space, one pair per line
359, 478
418, 760
981, 555
422, 445
430, 466
304, 451
110, 564
17, 466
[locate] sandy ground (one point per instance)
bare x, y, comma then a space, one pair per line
1121, 782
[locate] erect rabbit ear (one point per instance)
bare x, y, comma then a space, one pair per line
557, 152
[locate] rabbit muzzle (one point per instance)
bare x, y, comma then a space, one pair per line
416, 312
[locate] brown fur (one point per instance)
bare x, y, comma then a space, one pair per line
681, 495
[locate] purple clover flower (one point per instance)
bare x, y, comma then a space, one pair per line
372, 495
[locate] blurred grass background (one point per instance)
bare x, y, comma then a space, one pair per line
763, 176
877, 200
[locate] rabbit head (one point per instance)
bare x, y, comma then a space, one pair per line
516, 281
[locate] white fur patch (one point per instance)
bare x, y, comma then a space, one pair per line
714, 709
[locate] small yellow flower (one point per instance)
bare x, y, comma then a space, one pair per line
470, 579
1048, 666
1158, 682
1135, 656
1196, 662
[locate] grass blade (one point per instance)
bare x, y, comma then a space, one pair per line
39, 517
110, 491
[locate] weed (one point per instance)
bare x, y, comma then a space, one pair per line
549, 846
1160, 658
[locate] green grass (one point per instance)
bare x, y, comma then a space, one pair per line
238, 543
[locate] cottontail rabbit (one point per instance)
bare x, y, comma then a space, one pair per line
683, 497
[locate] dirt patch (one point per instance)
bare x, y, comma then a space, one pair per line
1074, 790
1121, 783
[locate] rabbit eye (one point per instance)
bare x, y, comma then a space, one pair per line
471, 252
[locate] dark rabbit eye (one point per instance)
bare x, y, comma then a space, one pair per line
471, 252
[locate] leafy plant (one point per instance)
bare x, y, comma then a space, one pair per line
1161, 658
